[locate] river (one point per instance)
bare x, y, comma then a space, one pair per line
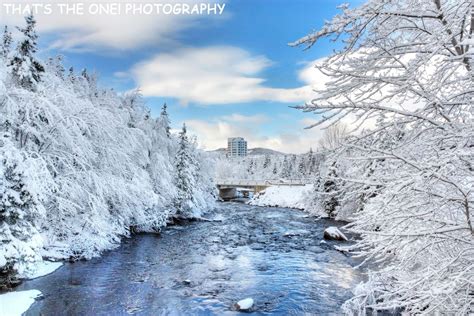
272, 255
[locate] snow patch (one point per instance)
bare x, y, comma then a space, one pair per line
16, 303
44, 268
282, 196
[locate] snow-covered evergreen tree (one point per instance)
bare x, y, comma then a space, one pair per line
21, 208
312, 161
185, 177
251, 167
55, 65
285, 168
165, 120
302, 167
6, 43
25, 68
267, 162
71, 76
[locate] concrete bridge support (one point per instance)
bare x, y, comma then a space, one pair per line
227, 193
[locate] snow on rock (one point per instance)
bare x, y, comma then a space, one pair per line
245, 304
43, 268
187, 282
282, 196
16, 303
334, 233
295, 233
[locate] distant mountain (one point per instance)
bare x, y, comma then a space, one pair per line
263, 151
218, 151
251, 152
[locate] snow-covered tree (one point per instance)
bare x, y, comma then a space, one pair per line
312, 161
251, 166
285, 168
71, 76
333, 137
302, 167
165, 120
329, 188
21, 192
275, 170
408, 67
6, 43
185, 176
55, 65
25, 68
267, 162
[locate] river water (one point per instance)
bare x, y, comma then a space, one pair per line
272, 255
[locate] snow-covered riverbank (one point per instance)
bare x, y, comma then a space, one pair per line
16, 303
283, 196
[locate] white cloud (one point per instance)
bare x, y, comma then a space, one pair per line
214, 75
225, 74
213, 134
108, 31
239, 118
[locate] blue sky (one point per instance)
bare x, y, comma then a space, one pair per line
229, 75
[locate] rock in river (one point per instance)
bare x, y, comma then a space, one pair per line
244, 305
334, 233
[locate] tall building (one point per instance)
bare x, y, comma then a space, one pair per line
236, 147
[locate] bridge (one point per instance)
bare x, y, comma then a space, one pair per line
228, 188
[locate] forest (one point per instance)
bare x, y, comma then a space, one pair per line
81, 166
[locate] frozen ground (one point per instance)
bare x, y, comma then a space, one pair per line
282, 196
44, 268
16, 303
271, 255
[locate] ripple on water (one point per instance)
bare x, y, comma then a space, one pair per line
269, 254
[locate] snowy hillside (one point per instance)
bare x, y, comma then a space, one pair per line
81, 166
258, 151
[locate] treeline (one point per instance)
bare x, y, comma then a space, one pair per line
82, 166
270, 166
